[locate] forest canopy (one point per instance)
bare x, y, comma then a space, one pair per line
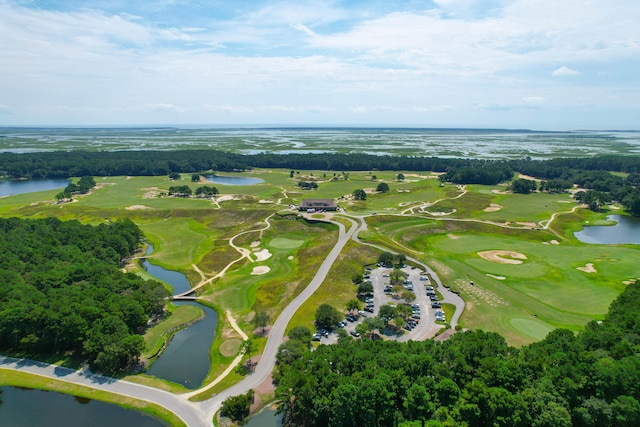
472, 379
61, 291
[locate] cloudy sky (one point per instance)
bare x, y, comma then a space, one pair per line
538, 64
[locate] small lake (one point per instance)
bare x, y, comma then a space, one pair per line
626, 230
11, 188
186, 359
233, 180
25, 407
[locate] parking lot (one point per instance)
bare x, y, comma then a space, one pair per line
424, 315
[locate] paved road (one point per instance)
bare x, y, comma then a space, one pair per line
189, 412
268, 359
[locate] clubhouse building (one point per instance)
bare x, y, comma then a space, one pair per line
314, 205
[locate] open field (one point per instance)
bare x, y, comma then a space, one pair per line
448, 229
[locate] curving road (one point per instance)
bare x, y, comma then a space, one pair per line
195, 414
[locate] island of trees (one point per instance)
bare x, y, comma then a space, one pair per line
62, 292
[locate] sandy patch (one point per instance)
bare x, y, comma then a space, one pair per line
440, 213
226, 198
554, 242
496, 277
255, 243
260, 270
453, 236
151, 192
136, 207
587, 268
630, 281
528, 224
493, 207
265, 201
262, 255
503, 257
290, 257
499, 192
370, 190
528, 177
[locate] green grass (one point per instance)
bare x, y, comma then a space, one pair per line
24, 379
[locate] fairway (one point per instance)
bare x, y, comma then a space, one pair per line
532, 327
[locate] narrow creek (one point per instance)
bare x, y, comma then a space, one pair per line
186, 359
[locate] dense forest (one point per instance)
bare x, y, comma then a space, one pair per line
62, 291
473, 379
559, 174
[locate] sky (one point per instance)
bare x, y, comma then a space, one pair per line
534, 64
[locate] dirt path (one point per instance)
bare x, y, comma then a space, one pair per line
409, 211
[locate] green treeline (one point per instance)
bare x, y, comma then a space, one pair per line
61, 291
473, 379
559, 174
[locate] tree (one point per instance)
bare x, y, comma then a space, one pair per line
365, 288
327, 317
353, 304
400, 177
359, 194
291, 173
357, 278
300, 333
174, 176
386, 258
195, 178
383, 187
387, 312
237, 407
248, 347
408, 296
260, 320
373, 177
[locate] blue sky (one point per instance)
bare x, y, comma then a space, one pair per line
538, 64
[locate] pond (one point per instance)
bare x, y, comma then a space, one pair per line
626, 230
11, 188
186, 359
25, 407
265, 418
233, 180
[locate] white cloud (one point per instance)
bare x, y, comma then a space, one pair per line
564, 71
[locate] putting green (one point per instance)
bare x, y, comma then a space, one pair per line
532, 327
230, 347
284, 243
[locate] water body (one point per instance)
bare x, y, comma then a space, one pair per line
265, 418
186, 359
26, 407
11, 188
626, 230
233, 180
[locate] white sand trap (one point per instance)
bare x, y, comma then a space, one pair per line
587, 268
265, 201
225, 198
499, 256
255, 243
262, 255
554, 242
136, 207
496, 277
528, 224
290, 257
494, 191
493, 207
260, 270
453, 236
454, 210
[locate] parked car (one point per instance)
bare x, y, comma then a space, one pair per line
354, 333
424, 278
369, 309
415, 306
433, 298
429, 288
362, 313
435, 304
315, 337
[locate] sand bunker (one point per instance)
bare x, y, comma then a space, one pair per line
136, 207
554, 242
453, 236
503, 257
226, 198
255, 243
587, 268
290, 257
493, 208
496, 277
260, 270
265, 201
262, 255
